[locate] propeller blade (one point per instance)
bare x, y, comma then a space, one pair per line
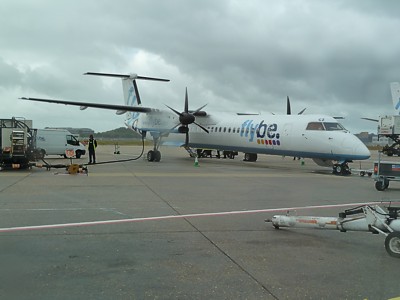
300, 113
205, 129
369, 119
186, 102
288, 109
199, 109
175, 111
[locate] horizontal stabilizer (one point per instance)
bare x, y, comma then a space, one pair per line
127, 76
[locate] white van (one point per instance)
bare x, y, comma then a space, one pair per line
56, 141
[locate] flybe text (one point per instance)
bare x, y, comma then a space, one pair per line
264, 133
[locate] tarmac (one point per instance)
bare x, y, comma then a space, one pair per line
174, 246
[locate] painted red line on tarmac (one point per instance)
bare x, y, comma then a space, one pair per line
120, 221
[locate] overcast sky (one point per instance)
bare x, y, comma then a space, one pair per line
332, 57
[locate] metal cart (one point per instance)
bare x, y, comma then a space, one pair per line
384, 172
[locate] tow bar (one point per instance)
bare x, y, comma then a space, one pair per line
370, 218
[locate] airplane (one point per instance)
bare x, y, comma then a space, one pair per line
319, 137
395, 90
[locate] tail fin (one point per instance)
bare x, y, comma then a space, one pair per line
129, 86
131, 92
395, 89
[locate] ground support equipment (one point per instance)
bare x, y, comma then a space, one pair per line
369, 218
384, 172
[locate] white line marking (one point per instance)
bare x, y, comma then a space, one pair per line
57, 209
82, 224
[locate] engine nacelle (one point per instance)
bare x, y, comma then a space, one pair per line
183, 129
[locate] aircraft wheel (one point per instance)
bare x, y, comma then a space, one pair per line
380, 186
157, 156
247, 157
150, 155
386, 183
250, 156
338, 169
392, 244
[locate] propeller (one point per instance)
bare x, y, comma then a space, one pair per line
289, 110
186, 118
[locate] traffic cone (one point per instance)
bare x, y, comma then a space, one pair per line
196, 161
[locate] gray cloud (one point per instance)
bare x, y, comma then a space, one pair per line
333, 57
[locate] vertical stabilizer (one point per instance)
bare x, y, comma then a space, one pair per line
395, 90
131, 93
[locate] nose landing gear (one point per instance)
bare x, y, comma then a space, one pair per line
341, 169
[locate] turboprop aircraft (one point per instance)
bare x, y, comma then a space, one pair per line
318, 137
395, 91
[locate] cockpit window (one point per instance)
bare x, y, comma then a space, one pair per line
315, 126
330, 126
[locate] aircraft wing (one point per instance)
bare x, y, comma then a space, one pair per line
369, 119
84, 105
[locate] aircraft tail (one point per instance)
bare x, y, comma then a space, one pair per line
129, 86
395, 90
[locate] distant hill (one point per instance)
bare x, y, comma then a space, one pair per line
119, 133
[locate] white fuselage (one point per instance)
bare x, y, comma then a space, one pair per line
291, 135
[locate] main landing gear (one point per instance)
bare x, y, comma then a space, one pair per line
250, 157
155, 154
341, 169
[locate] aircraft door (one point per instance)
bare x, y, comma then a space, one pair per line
288, 138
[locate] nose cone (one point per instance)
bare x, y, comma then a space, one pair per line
353, 148
362, 151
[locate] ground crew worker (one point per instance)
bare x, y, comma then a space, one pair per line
92, 149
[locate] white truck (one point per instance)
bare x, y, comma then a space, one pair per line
56, 141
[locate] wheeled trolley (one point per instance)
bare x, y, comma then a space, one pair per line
384, 172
